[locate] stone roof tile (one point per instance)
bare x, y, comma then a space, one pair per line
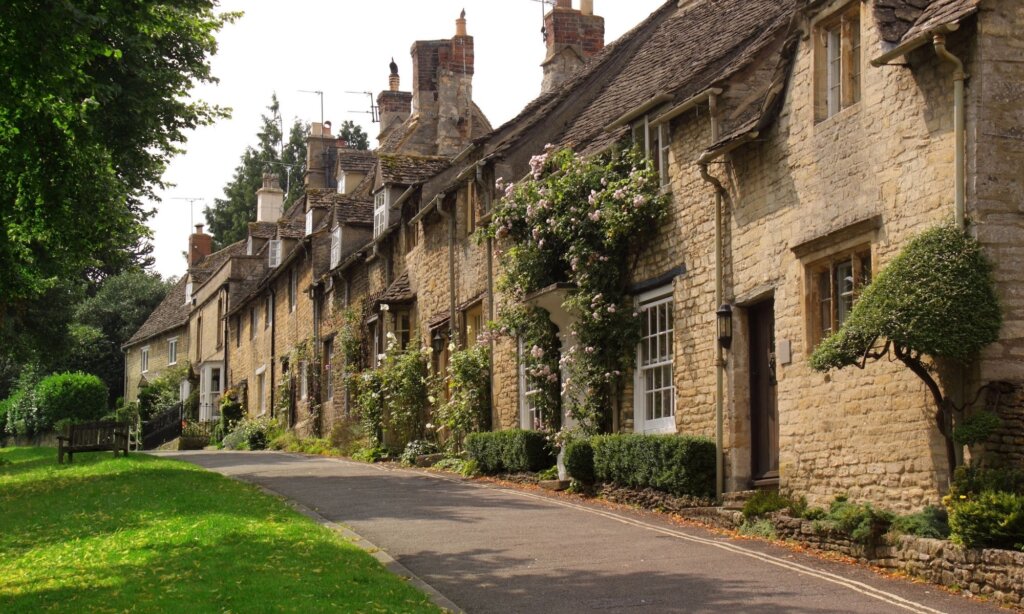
171, 313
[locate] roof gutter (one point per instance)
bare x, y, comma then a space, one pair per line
710, 155
425, 210
629, 116
686, 105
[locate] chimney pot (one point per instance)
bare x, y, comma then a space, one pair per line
460, 24
269, 199
587, 7
200, 245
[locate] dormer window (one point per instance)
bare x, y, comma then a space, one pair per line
336, 246
381, 202
274, 253
654, 141
309, 222
188, 293
249, 247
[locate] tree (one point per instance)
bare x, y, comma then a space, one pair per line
936, 300
230, 216
354, 135
95, 103
104, 322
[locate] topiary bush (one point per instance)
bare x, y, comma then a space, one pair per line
676, 464
71, 396
511, 451
579, 460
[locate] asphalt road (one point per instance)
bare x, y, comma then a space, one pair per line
494, 549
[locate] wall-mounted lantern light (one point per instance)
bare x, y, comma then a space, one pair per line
724, 318
437, 342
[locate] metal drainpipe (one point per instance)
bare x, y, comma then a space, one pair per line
450, 218
959, 211
485, 192
719, 298
273, 347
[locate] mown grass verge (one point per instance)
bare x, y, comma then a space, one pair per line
152, 535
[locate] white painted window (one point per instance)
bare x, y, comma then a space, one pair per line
380, 212
654, 141
274, 253
172, 351
261, 390
309, 222
145, 359
303, 379
336, 246
529, 413
654, 389
188, 293
268, 311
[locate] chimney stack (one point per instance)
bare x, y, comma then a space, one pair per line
395, 106
200, 245
443, 90
320, 157
269, 199
573, 37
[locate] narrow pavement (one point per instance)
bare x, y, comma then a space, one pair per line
494, 549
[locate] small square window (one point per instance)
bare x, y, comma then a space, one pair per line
172, 351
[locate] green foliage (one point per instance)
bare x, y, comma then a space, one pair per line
465, 468
579, 460
416, 448
766, 501
164, 392
347, 436
468, 409
931, 522
551, 473
19, 413
763, 528
581, 220
371, 454
512, 451
532, 326
77, 396
252, 434
393, 399
976, 428
94, 106
936, 298
354, 135
989, 519
68, 527
864, 523
676, 464
229, 217
973, 480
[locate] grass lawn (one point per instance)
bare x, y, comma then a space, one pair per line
143, 534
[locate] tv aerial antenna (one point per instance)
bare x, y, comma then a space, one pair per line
191, 207
374, 111
319, 93
544, 4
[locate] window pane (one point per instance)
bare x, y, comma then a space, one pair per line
833, 54
825, 302
844, 288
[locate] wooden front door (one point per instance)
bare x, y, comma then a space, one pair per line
764, 416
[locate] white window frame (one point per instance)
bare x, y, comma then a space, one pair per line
335, 246
309, 222
529, 414
268, 311
274, 253
249, 246
328, 366
261, 390
188, 293
381, 202
172, 351
648, 302
144, 359
656, 145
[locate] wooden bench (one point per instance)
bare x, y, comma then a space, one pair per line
93, 437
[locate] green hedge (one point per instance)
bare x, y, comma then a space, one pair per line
71, 396
677, 464
986, 508
509, 451
579, 460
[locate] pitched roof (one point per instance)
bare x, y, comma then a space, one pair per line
939, 12
356, 160
409, 170
171, 313
353, 211
202, 270
398, 137
399, 291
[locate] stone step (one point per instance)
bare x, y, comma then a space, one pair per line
735, 500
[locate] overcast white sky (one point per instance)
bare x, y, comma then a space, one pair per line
340, 46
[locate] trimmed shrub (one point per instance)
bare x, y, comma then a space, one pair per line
969, 480
990, 519
931, 522
71, 396
510, 451
862, 522
579, 460
676, 464
765, 502
251, 434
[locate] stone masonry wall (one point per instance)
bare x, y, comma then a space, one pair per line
158, 358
